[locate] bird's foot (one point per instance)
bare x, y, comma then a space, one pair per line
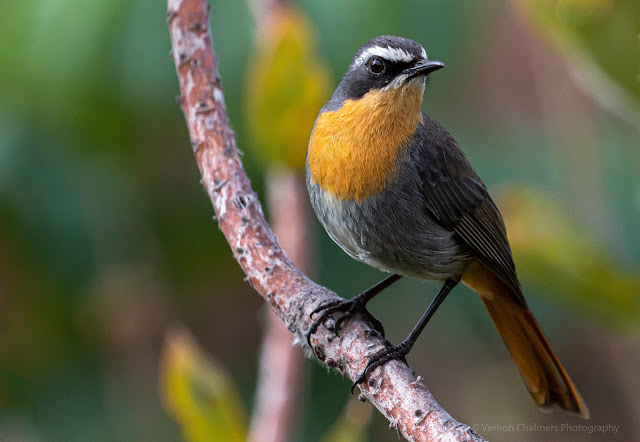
382, 357
348, 308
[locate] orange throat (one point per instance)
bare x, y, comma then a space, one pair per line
352, 151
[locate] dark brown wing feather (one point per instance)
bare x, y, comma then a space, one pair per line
457, 198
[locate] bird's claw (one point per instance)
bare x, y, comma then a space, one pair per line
380, 358
357, 306
349, 308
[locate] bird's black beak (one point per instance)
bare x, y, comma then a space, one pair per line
423, 67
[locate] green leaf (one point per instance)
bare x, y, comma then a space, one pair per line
600, 40
551, 253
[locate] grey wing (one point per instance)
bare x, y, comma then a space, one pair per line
457, 198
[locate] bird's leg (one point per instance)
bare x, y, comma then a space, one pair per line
351, 307
400, 351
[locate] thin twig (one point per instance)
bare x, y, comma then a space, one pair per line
392, 388
280, 370
280, 373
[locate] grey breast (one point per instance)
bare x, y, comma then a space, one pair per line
392, 231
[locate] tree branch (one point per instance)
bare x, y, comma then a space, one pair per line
392, 388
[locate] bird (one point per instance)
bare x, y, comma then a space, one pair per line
395, 191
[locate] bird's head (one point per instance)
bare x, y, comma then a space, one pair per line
387, 66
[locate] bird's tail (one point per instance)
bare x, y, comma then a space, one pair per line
543, 374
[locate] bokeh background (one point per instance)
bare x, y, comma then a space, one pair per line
107, 239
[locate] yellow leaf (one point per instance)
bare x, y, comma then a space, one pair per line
286, 86
352, 423
198, 393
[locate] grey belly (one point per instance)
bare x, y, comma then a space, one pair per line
391, 233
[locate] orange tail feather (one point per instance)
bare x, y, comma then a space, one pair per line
543, 374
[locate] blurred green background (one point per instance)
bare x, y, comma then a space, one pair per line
107, 238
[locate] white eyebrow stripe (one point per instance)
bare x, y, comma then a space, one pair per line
388, 53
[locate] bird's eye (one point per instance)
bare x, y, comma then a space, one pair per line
376, 66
